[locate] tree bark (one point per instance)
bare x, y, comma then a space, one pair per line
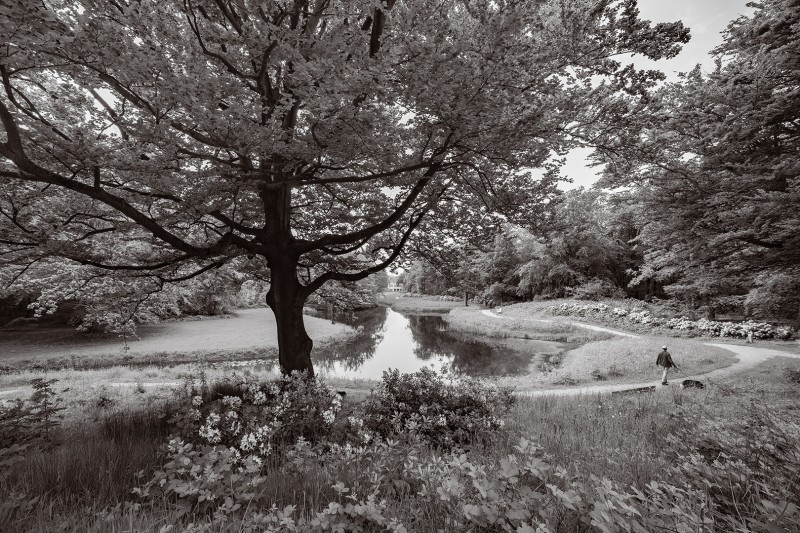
286, 298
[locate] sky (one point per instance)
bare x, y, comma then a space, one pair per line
706, 19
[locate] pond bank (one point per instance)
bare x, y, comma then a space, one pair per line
419, 304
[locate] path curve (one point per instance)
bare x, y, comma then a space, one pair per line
748, 357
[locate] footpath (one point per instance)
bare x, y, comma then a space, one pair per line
748, 357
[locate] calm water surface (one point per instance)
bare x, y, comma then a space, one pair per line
389, 339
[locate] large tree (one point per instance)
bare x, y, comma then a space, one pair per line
154, 140
714, 161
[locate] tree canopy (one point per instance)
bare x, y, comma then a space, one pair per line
715, 164
146, 142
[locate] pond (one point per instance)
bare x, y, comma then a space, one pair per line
388, 339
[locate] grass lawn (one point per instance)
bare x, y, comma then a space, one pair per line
633, 359
249, 334
506, 325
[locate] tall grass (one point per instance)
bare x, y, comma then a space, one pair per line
94, 465
615, 436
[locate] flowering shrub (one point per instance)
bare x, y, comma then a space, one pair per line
444, 412
638, 315
741, 481
206, 478
221, 446
260, 416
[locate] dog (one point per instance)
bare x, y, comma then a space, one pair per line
692, 384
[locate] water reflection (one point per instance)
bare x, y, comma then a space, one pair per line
388, 339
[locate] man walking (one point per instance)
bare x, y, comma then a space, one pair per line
664, 360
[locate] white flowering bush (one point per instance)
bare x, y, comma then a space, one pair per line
641, 316
259, 417
443, 411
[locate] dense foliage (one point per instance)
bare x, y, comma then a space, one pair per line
714, 168
584, 253
738, 475
443, 412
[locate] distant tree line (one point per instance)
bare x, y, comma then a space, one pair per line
585, 251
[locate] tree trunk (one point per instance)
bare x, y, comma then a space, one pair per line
286, 298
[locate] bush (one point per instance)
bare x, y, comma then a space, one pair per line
25, 426
749, 470
595, 289
739, 477
256, 418
222, 444
31, 422
641, 316
444, 412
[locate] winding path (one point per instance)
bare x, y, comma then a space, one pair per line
749, 357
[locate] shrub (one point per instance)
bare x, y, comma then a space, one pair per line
257, 417
444, 412
31, 422
595, 289
25, 426
638, 315
521, 492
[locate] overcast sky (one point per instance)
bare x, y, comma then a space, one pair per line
706, 19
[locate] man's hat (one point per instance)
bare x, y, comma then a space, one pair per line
663, 347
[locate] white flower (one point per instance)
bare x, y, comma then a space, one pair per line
197, 401
248, 442
259, 398
232, 402
210, 434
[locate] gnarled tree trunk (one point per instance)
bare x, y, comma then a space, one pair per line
286, 298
